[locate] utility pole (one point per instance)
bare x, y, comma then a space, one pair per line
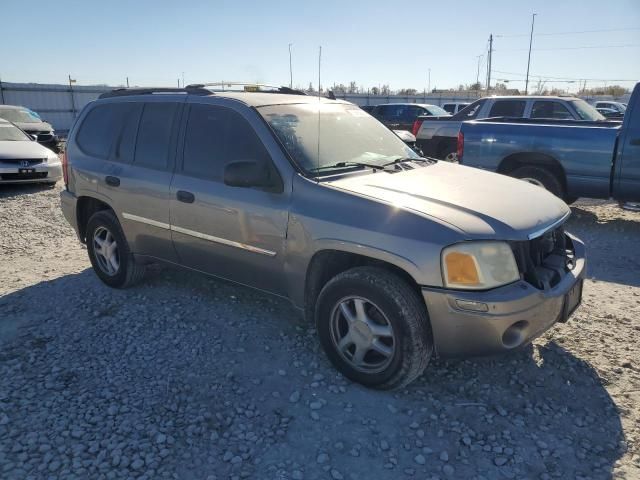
73, 103
290, 68
526, 85
478, 74
182, 79
489, 63
127, 82
429, 82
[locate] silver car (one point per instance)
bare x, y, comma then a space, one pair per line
23, 160
394, 257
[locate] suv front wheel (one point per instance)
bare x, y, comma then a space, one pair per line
374, 327
109, 251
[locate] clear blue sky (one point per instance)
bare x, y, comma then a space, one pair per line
373, 42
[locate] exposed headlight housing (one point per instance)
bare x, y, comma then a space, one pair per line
479, 265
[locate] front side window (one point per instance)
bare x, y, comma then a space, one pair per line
470, 111
154, 135
508, 108
217, 136
450, 107
586, 111
321, 135
549, 109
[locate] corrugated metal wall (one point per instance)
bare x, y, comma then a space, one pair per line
57, 104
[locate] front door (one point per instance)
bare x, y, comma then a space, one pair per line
231, 232
626, 185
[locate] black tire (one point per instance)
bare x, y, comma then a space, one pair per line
128, 272
405, 312
544, 177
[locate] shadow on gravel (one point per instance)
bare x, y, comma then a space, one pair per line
9, 190
190, 376
612, 245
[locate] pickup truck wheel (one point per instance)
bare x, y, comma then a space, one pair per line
540, 177
374, 328
109, 251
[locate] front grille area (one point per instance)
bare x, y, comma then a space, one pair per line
545, 260
23, 176
18, 161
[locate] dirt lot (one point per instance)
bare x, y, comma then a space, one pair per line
192, 378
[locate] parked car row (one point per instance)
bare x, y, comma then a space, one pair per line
31, 123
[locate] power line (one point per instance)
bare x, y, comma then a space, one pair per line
571, 33
550, 77
568, 48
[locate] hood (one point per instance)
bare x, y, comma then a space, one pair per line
34, 126
480, 204
26, 149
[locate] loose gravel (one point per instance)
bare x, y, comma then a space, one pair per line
189, 377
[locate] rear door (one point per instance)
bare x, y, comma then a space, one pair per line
626, 182
231, 232
138, 174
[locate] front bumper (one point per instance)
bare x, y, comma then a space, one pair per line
45, 172
517, 313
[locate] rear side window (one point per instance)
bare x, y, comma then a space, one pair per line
101, 127
508, 108
450, 107
154, 135
547, 109
215, 137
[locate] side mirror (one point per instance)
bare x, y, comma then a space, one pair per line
250, 174
34, 137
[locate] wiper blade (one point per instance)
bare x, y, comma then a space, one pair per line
347, 165
404, 159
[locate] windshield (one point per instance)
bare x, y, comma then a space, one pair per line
9, 133
437, 111
586, 111
347, 135
18, 115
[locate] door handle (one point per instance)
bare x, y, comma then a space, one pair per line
635, 141
186, 197
113, 181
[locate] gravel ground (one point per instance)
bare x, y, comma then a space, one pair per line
190, 377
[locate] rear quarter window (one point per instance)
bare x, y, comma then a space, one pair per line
101, 127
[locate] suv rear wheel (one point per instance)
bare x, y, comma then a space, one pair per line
374, 327
109, 252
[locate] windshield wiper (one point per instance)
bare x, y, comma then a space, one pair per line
404, 159
347, 165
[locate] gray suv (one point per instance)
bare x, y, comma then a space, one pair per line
394, 257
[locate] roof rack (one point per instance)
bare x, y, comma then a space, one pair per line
121, 92
246, 87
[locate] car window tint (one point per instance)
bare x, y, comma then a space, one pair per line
508, 108
126, 142
449, 107
549, 109
215, 137
414, 112
154, 135
101, 127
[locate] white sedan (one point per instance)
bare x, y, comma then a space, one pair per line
23, 160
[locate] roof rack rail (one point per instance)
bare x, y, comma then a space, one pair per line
246, 87
122, 92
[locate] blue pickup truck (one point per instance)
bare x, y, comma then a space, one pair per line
569, 158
